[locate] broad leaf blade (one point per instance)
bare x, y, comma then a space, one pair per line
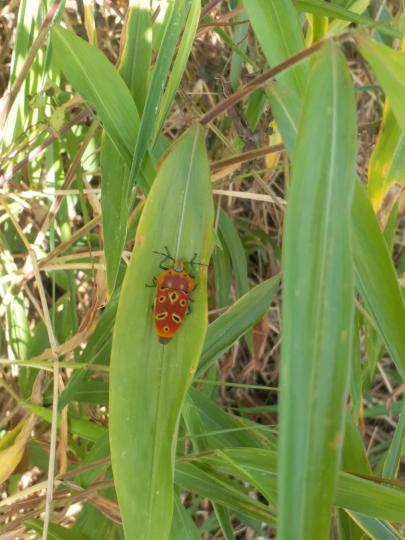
317, 301
148, 380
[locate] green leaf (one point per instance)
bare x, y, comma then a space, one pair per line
148, 380
278, 30
55, 532
376, 278
355, 6
183, 524
77, 426
389, 67
134, 65
393, 457
317, 301
337, 12
387, 162
221, 429
136, 50
376, 529
240, 41
235, 249
180, 62
155, 91
95, 78
258, 466
286, 105
209, 483
236, 320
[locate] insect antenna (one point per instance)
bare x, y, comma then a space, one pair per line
166, 253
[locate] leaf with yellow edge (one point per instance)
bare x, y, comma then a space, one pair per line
11, 456
386, 171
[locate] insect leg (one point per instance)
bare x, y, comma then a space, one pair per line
166, 256
153, 284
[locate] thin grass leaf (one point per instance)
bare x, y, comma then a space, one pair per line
179, 65
148, 380
95, 78
370, 498
232, 324
393, 457
259, 467
26, 27
195, 430
317, 301
156, 87
355, 6
277, 27
221, 429
387, 163
389, 66
376, 529
338, 12
183, 525
376, 278
136, 50
55, 531
223, 275
286, 105
77, 426
240, 40
134, 65
235, 249
209, 483
97, 350
278, 30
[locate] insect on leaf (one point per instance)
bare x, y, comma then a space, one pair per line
148, 379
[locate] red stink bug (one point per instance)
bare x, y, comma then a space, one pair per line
172, 300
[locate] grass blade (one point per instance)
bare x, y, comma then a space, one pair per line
148, 380
155, 91
387, 163
180, 62
232, 324
134, 64
377, 283
277, 27
339, 12
389, 66
136, 50
95, 78
259, 467
317, 301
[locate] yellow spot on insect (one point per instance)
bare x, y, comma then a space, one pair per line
183, 302
170, 284
162, 298
182, 287
161, 316
166, 329
176, 318
173, 297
